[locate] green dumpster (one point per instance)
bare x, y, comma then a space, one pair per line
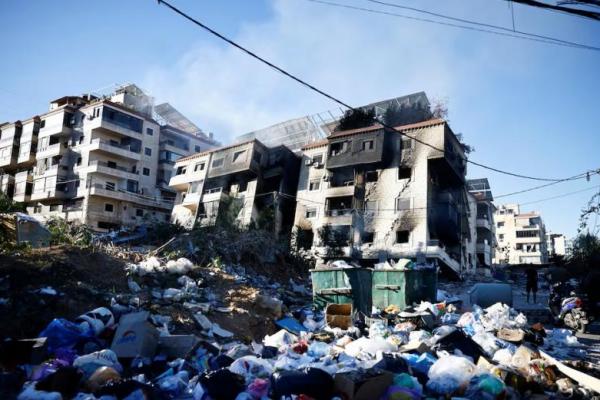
403, 287
342, 285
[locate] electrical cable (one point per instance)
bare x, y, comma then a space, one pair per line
334, 99
553, 39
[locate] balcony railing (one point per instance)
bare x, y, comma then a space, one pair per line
107, 165
118, 145
338, 212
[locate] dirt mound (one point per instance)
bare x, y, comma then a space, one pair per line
82, 279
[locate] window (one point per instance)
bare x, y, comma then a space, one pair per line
367, 237
368, 145
311, 213
217, 163
111, 164
318, 159
37, 209
525, 234
148, 151
199, 167
197, 149
402, 236
404, 173
501, 237
339, 148
108, 207
407, 143
500, 224
42, 123
149, 131
110, 186
314, 185
146, 171
78, 160
139, 212
132, 186
371, 176
181, 170
402, 203
53, 207
121, 119
238, 156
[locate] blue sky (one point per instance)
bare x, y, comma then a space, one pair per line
525, 107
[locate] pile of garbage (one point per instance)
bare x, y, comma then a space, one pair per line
430, 350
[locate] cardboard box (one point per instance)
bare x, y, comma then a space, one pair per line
372, 387
176, 346
135, 336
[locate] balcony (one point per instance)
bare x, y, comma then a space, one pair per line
484, 253
56, 149
215, 194
191, 200
115, 149
55, 129
483, 223
21, 197
49, 194
123, 195
346, 189
103, 125
103, 167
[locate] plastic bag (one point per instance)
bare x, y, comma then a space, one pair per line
251, 367
448, 374
63, 333
420, 363
485, 386
91, 362
279, 339
503, 356
318, 349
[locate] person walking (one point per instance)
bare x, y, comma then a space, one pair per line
532, 283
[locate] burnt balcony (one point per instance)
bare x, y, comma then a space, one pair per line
366, 148
444, 220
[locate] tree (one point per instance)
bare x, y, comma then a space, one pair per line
9, 206
585, 253
591, 209
357, 118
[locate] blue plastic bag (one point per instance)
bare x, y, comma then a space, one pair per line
63, 333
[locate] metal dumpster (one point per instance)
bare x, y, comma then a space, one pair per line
403, 287
342, 286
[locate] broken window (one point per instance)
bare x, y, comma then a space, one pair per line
406, 143
238, 156
367, 237
337, 206
368, 145
404, 172
402, 236
371, 176
314, 185
108, 207
311, 213
217, 163
402, 203
339, 148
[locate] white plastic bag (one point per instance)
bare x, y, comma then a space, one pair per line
448, 374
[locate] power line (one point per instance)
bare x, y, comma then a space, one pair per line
517, 35
527, 34
560, 195
573, 11
334, 99
575, 177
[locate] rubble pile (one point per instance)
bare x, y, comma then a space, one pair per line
139, 348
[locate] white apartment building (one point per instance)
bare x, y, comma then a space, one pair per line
373, 194
94, 159
557, 244
521, 237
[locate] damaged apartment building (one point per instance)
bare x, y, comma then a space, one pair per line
102, 160
374, 194
245, 183
483, 210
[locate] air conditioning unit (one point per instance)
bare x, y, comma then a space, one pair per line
308, 162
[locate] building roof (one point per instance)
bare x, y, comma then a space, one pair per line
318, 143
203, 153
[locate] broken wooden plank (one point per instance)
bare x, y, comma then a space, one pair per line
580, 377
